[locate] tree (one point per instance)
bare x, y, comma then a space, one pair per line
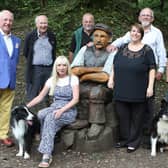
161, 5
43, 3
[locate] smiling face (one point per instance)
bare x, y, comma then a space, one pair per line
6, 21
42, 24
62, 69
100, 39
146, 17
88, 22
136, 33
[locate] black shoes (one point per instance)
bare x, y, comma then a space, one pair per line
119, 145
131, 149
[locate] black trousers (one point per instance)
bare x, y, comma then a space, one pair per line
39, 76
148, 115
130, 122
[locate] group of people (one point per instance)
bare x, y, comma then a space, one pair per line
128, 66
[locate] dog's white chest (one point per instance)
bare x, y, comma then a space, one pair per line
162, 129
19, 129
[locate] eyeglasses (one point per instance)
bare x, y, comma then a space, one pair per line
144, 15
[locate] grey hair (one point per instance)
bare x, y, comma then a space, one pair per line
37, 17
152, 12
6, 11
88, 14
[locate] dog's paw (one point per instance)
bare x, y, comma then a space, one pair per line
26, 155
153, 154
19, 154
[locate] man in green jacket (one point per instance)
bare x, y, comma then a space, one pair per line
82, 35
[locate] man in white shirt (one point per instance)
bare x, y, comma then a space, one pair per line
152, 36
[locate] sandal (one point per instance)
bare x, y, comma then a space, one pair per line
45, 162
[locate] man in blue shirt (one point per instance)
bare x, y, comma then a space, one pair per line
39, 51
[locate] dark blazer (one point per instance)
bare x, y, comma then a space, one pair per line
28, 50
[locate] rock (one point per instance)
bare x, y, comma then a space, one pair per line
78, 124
94, 131
68, 138
103, 142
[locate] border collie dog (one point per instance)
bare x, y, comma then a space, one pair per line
159, 131
24, 126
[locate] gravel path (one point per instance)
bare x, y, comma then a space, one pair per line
114, 158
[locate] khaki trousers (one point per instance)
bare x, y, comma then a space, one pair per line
6, 100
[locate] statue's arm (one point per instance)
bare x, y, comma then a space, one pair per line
86, 70
96, 77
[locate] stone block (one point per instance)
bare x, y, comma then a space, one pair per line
104, 142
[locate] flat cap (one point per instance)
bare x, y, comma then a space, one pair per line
104, 27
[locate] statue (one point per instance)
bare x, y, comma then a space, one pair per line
93, 65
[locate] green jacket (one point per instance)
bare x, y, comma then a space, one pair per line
78, 38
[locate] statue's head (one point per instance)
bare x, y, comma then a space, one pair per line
102, 35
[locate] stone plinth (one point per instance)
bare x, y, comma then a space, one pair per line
75, 136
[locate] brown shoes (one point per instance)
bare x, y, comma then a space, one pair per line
7, 142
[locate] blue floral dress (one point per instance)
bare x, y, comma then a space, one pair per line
49, 124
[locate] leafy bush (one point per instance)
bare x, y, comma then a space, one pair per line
65, 16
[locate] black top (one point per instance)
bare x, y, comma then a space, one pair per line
85, 39
131, 73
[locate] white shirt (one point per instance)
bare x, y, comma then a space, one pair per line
79, 60
154, 39
8, 42
64, 81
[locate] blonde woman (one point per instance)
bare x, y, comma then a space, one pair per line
64, 88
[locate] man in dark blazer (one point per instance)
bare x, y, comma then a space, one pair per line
39, 50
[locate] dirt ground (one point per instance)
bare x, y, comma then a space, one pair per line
114, 158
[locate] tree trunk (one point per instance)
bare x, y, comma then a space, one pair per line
43, 3
161, 5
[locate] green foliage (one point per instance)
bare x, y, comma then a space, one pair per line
149, 3
20, 7
65, 16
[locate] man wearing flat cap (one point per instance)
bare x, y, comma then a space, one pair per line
93, 66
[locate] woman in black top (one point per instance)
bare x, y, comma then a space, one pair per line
132, 78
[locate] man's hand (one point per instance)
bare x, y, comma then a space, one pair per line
90, 44
111, 48
110, 84
159, 75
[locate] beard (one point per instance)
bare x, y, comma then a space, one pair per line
145, 23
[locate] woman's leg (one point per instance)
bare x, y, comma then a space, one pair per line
136, 124
123, 111
50, 128
42, 114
